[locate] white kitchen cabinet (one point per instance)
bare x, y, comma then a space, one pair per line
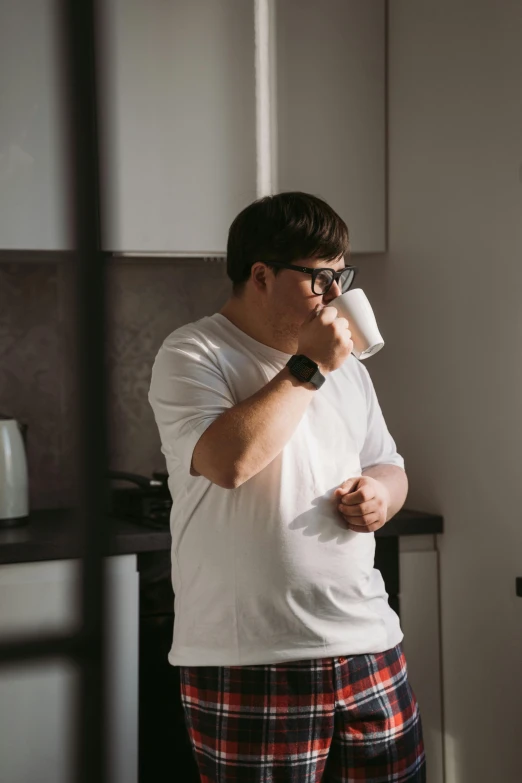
419, 607
209, 104
180, 122
37, 701
205, 105
330, 85
32, 182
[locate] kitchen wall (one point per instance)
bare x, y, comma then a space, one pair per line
147, 300
450, 379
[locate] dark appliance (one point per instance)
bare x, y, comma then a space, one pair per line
164, 749
147, 503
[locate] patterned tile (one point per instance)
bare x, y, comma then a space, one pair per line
31, 371
147, 300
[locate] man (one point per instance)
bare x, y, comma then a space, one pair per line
280, 470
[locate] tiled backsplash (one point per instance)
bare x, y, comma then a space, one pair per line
147, 301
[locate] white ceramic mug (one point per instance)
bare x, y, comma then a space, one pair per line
354, 306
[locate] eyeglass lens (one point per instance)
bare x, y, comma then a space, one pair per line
324, 280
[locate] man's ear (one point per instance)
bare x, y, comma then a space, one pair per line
259, 274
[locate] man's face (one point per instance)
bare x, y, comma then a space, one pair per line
289, 295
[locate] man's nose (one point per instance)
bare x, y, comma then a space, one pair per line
333, 292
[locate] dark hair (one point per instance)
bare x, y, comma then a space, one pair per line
286, 227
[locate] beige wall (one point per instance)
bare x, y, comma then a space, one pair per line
450, 379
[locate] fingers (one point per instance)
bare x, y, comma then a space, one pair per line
361, 505
359, 510
366, 524
342, 323
347, 486
358, 496
355, 491
327, 315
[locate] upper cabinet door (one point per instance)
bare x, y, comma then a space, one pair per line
330, 105
179, 101
32, 173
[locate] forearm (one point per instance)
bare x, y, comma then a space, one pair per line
248, 436
396, 483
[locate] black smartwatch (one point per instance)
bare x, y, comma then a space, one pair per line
305, 370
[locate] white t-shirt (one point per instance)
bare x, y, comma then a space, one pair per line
266, 572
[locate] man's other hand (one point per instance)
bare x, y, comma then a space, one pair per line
363, 503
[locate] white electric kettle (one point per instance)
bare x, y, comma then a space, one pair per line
14, 486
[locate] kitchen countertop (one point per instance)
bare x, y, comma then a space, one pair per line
50, 535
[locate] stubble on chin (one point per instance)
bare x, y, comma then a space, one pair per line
285, 330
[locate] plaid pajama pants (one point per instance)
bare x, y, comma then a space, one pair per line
335, 720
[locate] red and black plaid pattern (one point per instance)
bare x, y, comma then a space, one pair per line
335, 720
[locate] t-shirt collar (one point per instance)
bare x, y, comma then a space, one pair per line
254, 345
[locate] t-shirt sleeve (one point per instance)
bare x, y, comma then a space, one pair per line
187, 393
379, 447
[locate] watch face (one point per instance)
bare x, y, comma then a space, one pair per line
305, 369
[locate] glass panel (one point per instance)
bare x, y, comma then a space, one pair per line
37, 722
38, 598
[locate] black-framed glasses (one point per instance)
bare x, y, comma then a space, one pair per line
323, 277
